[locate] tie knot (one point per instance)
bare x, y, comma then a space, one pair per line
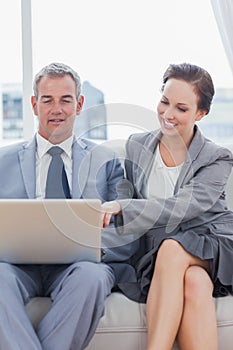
55, 150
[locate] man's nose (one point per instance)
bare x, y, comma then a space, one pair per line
56, 108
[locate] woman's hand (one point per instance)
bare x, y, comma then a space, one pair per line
109, 209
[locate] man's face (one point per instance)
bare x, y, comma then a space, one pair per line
56, 107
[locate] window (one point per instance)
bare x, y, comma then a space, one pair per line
12, 121
11, 118
122, 49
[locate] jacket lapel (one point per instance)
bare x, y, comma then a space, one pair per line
146, 156
27, 159
81, 166
193, 151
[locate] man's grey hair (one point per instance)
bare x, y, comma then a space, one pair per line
55, 70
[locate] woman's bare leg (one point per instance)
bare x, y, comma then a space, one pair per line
165, 301
198, 328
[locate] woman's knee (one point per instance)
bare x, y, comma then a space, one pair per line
171, 253
169, 246
197, 284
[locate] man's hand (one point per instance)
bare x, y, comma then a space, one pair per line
109, 209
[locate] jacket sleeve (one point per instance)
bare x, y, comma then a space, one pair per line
198, 195
116, 248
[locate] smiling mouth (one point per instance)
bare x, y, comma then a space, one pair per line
168, 124
56, 120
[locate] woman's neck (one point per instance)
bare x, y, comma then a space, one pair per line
173, 150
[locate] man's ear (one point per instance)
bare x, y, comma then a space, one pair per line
34, 104
80, 104
201, 114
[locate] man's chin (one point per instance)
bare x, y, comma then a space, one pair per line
58, 137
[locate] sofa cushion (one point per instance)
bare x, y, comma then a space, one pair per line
124, 322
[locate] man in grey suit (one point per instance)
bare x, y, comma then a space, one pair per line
78, 291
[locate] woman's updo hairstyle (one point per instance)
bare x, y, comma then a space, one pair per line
198, 77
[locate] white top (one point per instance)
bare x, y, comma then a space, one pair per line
43, 160
161, 179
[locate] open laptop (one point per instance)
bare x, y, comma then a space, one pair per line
52, 231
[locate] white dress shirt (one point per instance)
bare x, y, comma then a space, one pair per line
43, 160
161, 179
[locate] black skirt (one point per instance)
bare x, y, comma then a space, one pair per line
202, 242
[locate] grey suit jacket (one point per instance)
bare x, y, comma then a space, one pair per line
198, 203
95, 174
199, 194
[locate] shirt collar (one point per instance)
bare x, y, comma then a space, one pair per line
44, 145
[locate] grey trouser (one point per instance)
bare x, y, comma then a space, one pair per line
78, 293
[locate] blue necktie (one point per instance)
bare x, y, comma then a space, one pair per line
57, 184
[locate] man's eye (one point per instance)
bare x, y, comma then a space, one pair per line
66, 101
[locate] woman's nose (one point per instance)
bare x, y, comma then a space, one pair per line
169, 114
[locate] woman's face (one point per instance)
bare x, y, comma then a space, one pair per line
178, 110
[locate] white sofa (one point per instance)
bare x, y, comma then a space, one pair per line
124, 322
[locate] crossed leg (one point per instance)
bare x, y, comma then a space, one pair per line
180, 302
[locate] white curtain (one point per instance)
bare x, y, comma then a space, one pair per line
223, 11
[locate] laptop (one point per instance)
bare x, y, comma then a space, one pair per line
51, 231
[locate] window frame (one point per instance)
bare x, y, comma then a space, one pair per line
27, 68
